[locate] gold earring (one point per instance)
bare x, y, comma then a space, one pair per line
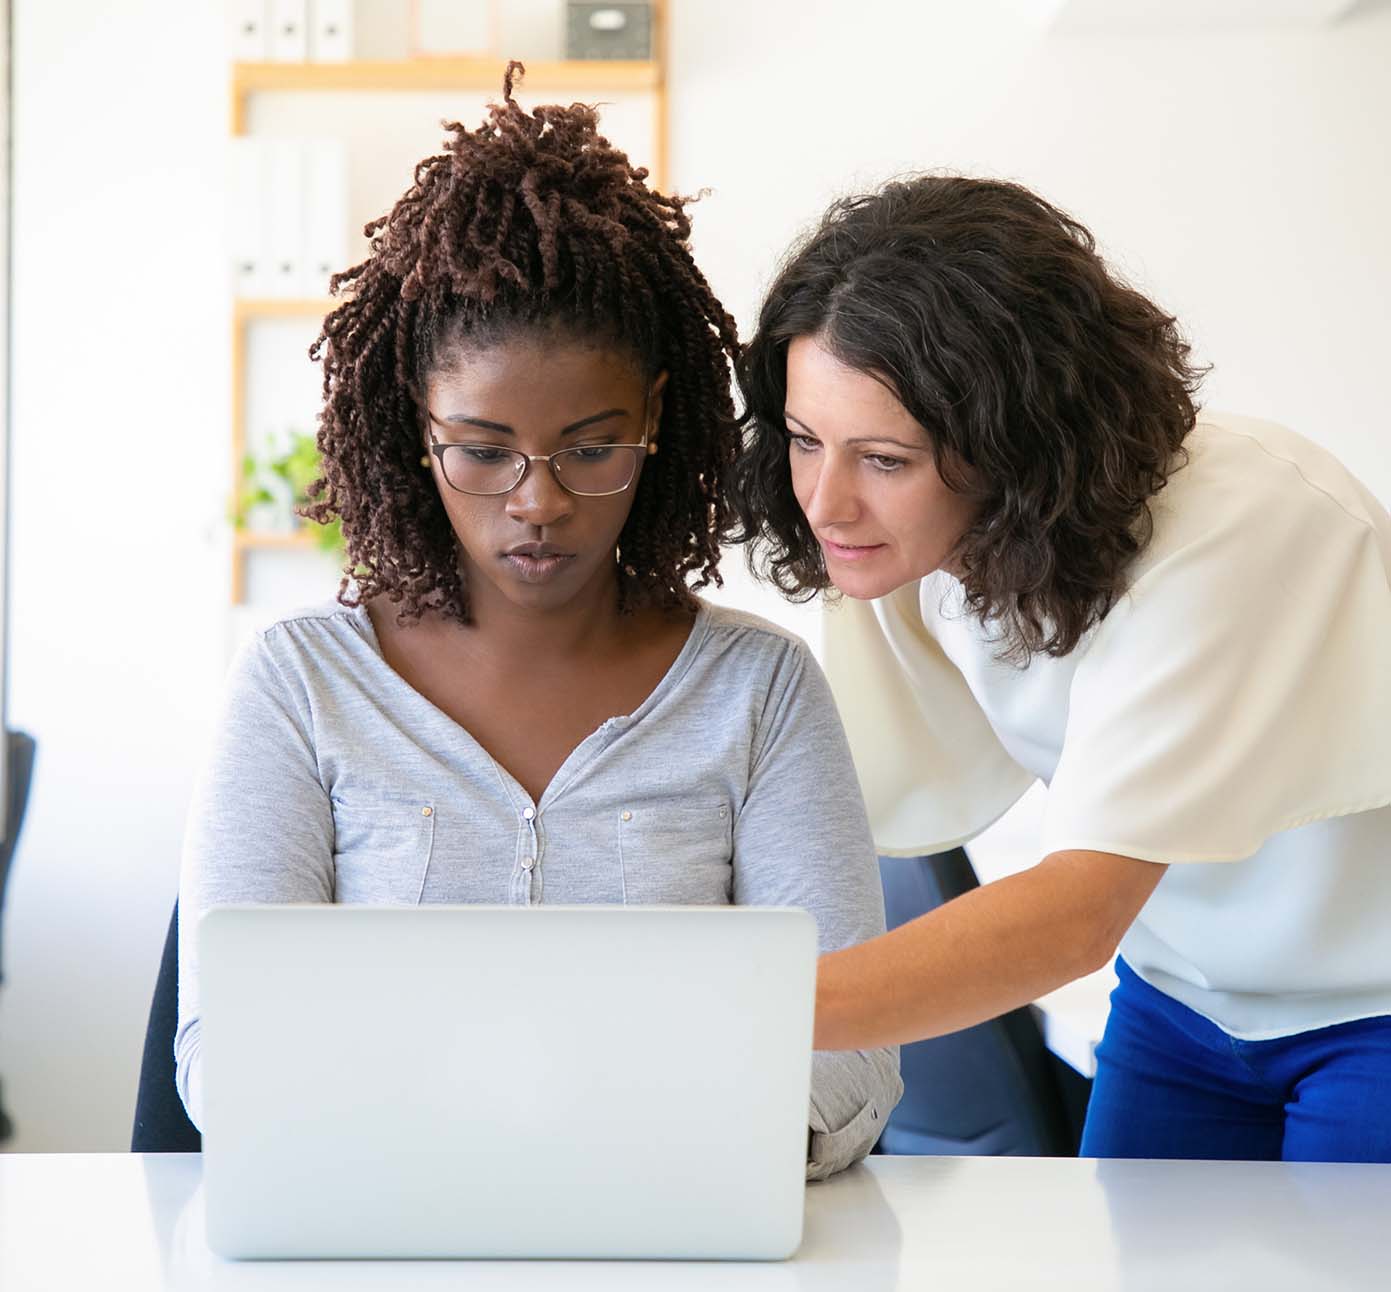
425, 461
651, 448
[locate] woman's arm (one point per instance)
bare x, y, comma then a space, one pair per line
989, 951
260, 829
802, 839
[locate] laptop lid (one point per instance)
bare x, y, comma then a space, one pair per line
506, 1081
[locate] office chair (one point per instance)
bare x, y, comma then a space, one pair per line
19, 763
993, 1089
161, 1125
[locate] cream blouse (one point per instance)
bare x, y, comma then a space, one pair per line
1233, 707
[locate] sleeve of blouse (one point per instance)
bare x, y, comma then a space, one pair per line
260, 829
802, 839
1240, 689
933, 772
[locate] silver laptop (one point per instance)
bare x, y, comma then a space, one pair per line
474, 1081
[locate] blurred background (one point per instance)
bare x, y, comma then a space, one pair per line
183, 175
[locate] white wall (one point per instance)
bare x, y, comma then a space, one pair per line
4, 395
1244, 178
1241, 178
118, 469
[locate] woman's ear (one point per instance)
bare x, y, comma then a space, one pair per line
654, 410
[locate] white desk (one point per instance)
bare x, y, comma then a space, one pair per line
78, 1222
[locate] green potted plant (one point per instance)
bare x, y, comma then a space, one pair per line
275, 486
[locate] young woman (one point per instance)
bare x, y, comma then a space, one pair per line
518, 698
1054, 568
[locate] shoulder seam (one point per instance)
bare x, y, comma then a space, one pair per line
1299, 471
728, 619
305, 618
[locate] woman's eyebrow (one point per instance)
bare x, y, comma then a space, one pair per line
589, 421
459, 419
862, 439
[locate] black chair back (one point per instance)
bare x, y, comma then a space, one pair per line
161, 1125
19, 765
986, 1090
19, 772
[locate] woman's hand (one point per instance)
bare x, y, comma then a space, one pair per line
987, 952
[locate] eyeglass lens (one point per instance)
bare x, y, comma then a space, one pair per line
589, 469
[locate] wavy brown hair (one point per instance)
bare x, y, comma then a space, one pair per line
989, 314
533, 222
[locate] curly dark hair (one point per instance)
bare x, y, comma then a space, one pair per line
989, 314
534, 222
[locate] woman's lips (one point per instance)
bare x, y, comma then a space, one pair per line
537, 569
849, 551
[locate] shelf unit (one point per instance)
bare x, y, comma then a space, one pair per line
385, 76
435, 74
245, 312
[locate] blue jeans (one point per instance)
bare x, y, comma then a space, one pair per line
1169, 1083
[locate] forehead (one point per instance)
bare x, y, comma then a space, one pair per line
823, 391
533, 376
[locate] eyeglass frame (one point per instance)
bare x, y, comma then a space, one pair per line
438, 450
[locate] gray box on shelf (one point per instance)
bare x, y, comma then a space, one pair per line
616, 31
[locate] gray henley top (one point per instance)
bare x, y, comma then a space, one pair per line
332, 780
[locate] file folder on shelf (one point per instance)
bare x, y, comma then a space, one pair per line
289, 31
248, 34
330, 31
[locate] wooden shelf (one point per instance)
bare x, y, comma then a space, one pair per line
245, 541
270, 307
277, 540
247, 309
599, 75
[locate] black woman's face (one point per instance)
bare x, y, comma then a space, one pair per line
539, 546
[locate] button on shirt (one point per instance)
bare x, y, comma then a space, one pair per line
331, 779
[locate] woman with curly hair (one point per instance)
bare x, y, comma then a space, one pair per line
517, 696
1054, 569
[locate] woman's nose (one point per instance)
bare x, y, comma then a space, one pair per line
539, 500
829, 497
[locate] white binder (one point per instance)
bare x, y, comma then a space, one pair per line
330, 31
283, 175
246, 222
248, 34
325, 213
289, 31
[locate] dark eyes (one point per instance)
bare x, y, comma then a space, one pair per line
805, 444
484, 456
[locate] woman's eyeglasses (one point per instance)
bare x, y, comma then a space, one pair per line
588, 471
